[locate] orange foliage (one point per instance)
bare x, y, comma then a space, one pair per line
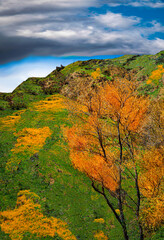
119, 101
27, 217
156, 75
152, 214
115, 103
152, 172
151, 185
100, 236
52, 103
154, 126
29, 142
86, 156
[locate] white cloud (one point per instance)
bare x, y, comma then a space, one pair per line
64, 35
147, 3
153, 28
159, 43
136, 3
117, 20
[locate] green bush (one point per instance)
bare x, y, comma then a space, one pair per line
3, 105
33, 89
17, 103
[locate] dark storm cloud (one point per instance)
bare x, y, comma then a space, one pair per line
42, 5
66, 27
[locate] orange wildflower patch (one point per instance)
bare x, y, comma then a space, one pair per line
29, 142
96, 74
156, 75
11, 121
27, 217
99, 220
53, 103
31, 139
100, 236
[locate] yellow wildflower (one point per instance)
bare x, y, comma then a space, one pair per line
96, 74
53, 103
27, 217
156, 75
29, 142
99, 220
100, 236
117, 211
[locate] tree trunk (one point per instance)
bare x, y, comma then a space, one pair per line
138, 192
125, 232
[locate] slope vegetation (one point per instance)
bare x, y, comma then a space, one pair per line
42, 196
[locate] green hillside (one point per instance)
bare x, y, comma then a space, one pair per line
35, 168
34, 89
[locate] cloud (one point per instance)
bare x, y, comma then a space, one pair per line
159, 43
19, 5
60, 4
116, 20
136, 3
63, 36
147, 3
67, 27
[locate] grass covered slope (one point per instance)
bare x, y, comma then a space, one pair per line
34, 157
42, 196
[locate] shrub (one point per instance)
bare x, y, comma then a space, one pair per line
17, 103
3, 105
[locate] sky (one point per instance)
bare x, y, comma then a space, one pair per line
38, 35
